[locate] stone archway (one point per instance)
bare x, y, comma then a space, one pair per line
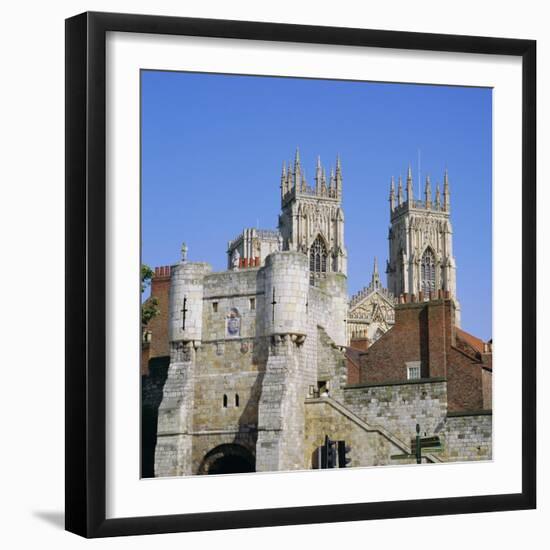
228, 459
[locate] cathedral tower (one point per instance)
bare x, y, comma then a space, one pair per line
312, 219
421, 260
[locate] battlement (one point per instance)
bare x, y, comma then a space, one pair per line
412, 205
400, 205
294, 183
422, 297
162, 272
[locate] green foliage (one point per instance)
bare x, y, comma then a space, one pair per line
146, 276
149, 308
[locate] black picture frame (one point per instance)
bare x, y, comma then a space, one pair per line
86, 277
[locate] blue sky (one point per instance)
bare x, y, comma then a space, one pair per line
213, 147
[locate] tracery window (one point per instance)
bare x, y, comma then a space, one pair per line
428, 272
318, 256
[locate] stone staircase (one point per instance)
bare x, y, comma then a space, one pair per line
383, 432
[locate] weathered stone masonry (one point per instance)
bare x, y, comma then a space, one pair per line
246, 368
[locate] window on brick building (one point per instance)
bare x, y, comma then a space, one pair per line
428, 272
252, 303
413, 372
215, 307
236, 400
225, 400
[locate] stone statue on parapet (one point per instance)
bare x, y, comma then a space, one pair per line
235, 259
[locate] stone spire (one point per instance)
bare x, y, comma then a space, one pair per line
332, 184
318, 177
446, 192
284, 188
410, 195
338, 177
437, 196
392, 194
297, 171
375, 281
324, 184
400, 191
428, 192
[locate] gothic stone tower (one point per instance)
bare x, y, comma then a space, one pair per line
421, 261
312, 219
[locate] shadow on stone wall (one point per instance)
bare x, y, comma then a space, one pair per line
152, 386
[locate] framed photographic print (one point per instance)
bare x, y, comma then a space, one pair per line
300, 274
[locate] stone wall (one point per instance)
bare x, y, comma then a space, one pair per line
175, 417
399, 407
281, 410
331, 364
468, 436
328, 306
367, 448
152, 385
230, 364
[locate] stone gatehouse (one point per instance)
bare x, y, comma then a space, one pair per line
247, 369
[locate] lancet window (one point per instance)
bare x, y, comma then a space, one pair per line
428, 272
318, 256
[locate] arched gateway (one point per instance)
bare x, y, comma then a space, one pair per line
228, 459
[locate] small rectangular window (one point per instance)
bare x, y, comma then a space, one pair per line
215, 307
413, 373
252, 303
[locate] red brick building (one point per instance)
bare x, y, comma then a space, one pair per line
425, 343
155, 335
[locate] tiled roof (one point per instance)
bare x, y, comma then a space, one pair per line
473, 341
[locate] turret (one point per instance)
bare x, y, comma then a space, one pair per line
286, 291
186, 293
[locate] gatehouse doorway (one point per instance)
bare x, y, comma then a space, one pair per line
228, 459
